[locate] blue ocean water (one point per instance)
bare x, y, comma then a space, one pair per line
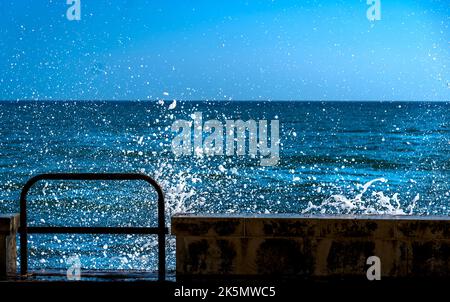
335, 158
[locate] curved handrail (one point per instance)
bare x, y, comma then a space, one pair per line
161, 230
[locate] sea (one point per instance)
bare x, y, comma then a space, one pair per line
334, 158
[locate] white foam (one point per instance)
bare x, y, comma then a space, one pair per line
361, 203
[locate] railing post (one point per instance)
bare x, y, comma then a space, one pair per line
9, 223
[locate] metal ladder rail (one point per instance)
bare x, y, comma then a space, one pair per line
161, 230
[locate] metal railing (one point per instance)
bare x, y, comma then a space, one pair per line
161, 230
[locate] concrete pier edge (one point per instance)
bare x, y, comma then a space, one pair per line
292, 246
9, 224
311, 246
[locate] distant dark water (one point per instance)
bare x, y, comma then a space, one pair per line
328, 152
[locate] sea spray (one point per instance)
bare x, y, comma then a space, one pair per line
376, 203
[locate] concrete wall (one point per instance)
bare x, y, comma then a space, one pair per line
311, 246
9, 225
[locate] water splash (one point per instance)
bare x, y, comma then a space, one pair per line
180, 195
363, 203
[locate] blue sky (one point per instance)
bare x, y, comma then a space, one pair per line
223, 49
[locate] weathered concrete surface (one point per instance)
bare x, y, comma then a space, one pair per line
311, 246
9, 225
